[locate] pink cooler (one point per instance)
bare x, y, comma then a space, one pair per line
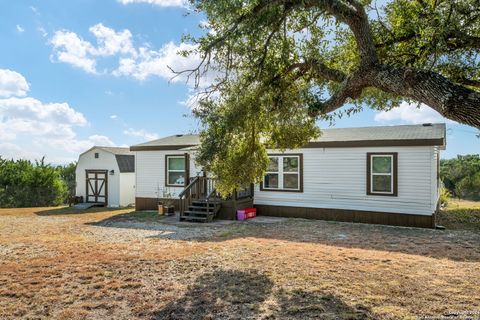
241, 215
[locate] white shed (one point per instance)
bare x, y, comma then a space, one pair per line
106, 176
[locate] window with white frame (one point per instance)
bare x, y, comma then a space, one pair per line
283, 173
382, 174
175, 170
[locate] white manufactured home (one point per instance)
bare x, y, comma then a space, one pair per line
106, 176
384, 175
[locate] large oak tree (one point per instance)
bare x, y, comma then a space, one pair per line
280, 65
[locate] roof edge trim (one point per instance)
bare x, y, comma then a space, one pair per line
328, 144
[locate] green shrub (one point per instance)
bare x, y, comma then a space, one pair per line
459, 219
469, 187
444, 196
27, 184
461, 176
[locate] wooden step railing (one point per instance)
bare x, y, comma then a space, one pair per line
213, 197
203, 188
199, 188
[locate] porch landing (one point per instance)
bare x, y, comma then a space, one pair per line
87, 205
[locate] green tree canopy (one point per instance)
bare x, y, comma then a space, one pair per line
280, 65
27, 184
461, 176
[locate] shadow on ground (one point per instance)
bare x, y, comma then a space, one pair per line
156, 219
71, 210
233, 294
453, 245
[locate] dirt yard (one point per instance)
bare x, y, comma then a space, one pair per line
119, 265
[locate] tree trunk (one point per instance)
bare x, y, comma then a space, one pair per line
450, 100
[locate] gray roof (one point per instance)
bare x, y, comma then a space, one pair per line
126, 162
174, 142
116, 150
402, 132
125, 158
421, 134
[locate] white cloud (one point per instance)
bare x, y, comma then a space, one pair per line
194, 97
31, 109
35, 10
141, 133
140, 63
113, 116
12, 83
52, 124
111, 42
75, 146
161, 3
12, 151
20, 29
410, 114
69, 48
30, 128
158, 63
103, 141
42, 31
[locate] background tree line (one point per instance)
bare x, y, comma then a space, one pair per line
35, 184
461, 176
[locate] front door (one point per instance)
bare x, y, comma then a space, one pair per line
97, 186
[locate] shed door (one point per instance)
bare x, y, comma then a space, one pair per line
97, 186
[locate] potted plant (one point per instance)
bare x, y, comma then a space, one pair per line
160, 202
168, 202
161, 208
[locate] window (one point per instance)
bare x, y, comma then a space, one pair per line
96, 155
175, 170
382, 174
284, 173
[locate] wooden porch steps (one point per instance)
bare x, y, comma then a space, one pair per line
200, 211
194, 219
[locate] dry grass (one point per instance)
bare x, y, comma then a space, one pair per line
462, 204
460, 215
55, 264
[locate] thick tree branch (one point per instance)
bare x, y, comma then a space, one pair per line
468, 82
319, 70
351, 88
453, 101
458, 40
354, 15
454, 40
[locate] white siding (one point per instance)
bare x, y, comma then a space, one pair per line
332, 178
127, 188
150, 173
336, 178
105, 161
435, 178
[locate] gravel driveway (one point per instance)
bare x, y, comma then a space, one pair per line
118, 264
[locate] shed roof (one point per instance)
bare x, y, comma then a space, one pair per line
124, 157
126, 162
116, 150
400, 135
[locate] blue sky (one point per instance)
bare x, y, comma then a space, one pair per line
78, 73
